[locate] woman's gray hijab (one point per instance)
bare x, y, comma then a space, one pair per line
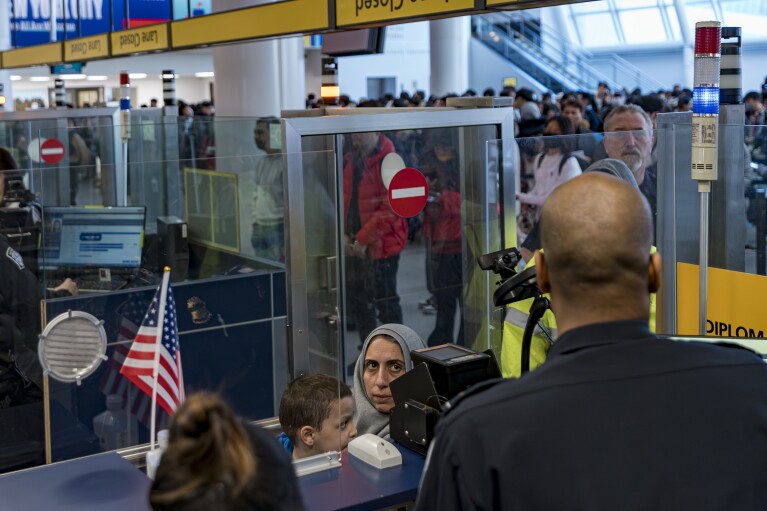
366, 418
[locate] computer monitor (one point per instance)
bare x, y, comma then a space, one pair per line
85, 238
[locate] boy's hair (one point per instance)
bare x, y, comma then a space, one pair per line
308, 401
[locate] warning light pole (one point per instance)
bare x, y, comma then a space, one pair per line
705, 134
125, 132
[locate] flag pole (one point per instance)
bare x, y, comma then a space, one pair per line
157, 341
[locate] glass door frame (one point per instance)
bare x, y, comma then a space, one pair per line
347, 121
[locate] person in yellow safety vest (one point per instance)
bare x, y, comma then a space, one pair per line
546, 332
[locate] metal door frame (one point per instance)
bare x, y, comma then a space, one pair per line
344, 122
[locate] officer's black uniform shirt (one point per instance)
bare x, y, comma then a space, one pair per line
616, 418
19, 312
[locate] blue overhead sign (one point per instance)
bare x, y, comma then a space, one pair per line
31, 19
74, 68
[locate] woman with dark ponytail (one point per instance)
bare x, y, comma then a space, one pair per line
215, 461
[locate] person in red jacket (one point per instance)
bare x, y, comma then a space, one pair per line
374, 235
442, 227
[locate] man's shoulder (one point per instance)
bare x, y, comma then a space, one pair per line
483, 401
723, 351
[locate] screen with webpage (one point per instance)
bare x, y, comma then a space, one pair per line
109, 237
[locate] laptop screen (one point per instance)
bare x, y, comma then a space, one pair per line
108, 237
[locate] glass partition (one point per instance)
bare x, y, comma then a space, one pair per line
660, 162
373, 259
538, 165
226, 248
736, 215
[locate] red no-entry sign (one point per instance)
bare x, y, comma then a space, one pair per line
408, 192
52, 151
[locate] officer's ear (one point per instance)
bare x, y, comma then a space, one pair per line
653, 274
541, 272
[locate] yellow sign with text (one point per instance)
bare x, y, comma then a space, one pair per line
140, 40
288, 17
504, 2
86, 48
735, 306
356, 12
38, 55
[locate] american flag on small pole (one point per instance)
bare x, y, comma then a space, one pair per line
153, 363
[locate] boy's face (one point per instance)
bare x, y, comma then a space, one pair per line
337, 429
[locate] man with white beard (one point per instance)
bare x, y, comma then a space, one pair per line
628, 137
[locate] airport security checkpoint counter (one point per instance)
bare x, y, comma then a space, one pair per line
107, 481
99, 482
357, 486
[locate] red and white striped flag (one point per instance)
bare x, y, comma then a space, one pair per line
159, 325
112, 382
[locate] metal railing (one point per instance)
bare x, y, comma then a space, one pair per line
137, 453
627, 74
515, 33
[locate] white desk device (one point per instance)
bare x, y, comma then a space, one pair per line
375, 451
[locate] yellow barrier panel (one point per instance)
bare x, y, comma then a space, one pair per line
39, 55
356, 12
86, 48
140, 40
288, 17
735, 306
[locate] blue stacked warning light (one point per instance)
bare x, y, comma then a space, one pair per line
705, 96
705, 101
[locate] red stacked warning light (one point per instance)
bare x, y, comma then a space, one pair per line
707, 40
124, 78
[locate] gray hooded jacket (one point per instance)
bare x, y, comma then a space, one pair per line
366, 418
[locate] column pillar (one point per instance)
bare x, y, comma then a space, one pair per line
257, 79
449, 41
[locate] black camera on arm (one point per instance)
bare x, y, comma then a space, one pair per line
514, 287
15, 191
424, 394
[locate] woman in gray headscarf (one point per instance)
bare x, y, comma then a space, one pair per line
385, 357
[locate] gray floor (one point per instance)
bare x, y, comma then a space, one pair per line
411, 287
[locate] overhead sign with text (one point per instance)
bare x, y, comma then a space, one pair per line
734, 309
86, 48
356, 12
140, 40
31, 19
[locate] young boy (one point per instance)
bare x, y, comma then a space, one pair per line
316, 416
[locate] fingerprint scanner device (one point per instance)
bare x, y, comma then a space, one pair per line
376, 451
92, 244
454, 368
439, 374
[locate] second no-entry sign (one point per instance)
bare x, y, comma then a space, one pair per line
408, 192
52, 151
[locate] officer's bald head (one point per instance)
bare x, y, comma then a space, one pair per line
596, 233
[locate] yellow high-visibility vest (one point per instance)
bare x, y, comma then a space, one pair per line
514, 328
